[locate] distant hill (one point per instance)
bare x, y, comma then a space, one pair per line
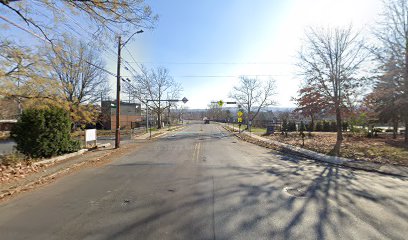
235, 109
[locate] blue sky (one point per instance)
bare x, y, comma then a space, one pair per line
217, 41
241, 37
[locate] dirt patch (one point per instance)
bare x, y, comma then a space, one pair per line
381, 149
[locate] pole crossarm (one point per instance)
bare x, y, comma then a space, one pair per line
227, 102
163, 100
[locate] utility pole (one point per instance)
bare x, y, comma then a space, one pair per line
117, 133
168, 116
118, 78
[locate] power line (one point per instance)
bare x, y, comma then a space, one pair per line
215, 63
227, 76
48, 42
130, 54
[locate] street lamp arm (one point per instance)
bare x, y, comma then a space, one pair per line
140, 31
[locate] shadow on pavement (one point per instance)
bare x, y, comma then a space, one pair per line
332, 202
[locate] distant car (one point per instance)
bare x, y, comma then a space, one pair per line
206, 120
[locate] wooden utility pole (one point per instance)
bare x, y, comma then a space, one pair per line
117, 133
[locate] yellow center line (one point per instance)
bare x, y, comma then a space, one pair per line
198, 151
194, 152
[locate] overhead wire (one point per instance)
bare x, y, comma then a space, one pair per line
48, 42
214, 63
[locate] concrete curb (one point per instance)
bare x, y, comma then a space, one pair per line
69, 155
60, 158
356, 164
159, 133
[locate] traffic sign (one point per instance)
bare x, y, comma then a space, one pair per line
184, 100
240, 113
220, 103
239, 119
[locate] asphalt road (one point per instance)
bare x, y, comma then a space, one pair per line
202, 183
6, 146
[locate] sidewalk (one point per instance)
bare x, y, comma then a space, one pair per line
157, 133
46, 170
363, 165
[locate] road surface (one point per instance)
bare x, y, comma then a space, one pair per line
6, 146
203, 183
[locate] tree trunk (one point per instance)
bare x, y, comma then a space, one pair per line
312, 124
395, 129
336, 149
406, 86
159, 120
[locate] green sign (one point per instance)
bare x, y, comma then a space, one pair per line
220, 103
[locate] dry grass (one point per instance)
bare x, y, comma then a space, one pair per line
382, 149
4, 135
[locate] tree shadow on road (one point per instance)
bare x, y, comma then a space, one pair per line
279, 197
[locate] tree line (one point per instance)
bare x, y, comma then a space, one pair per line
345, 75
68, 72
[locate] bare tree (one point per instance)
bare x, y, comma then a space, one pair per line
43, 16
330, 62
24, 75
79, 70
253, 95
214, 111
392, 56
157, 85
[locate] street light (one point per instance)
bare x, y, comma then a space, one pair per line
118, 78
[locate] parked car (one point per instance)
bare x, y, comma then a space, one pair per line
206, 120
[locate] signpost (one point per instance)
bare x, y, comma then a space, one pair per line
90, 135
239, 114
184, 100
221, 103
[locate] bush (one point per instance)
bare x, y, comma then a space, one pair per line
292, 126
302, 127
333, 126
44, 133
345, 126
310, 127
319, 126
326, 126
285, 127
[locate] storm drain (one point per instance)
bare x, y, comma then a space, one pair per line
296, 192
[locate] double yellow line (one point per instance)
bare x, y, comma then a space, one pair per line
196, 152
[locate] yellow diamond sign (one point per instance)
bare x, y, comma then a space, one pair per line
240, 114
220, 103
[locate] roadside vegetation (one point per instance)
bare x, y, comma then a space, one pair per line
382, 149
